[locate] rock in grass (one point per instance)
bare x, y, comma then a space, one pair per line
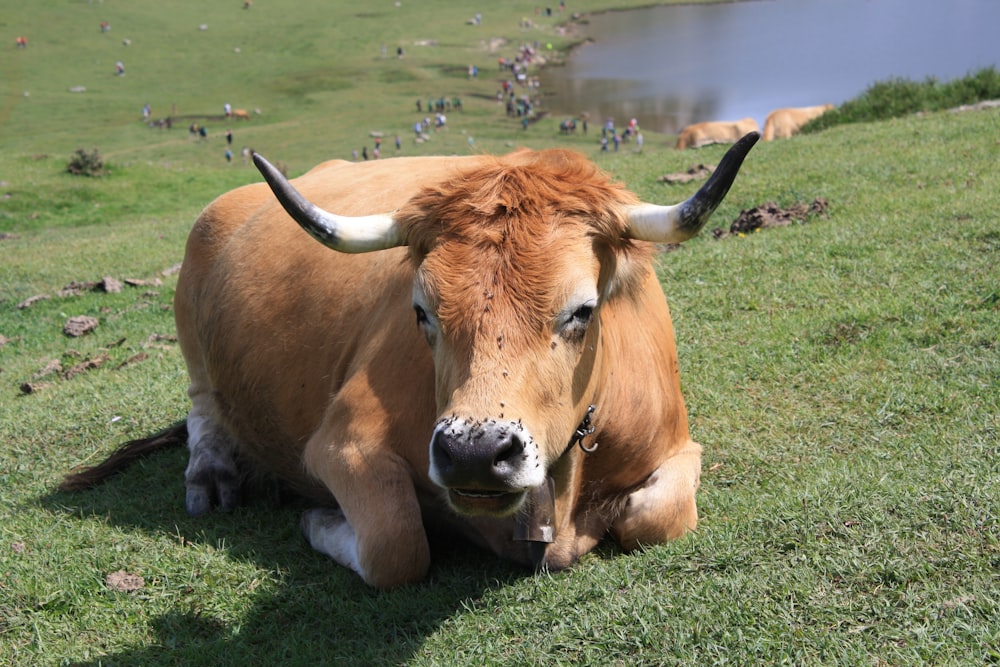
80, 325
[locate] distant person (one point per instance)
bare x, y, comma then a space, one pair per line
229, 155
247, 4
105, 26
227, 108
364, 152
203, 132
638, 141
146, 111
21, 42
229, 137
399, 144
120, 68
399, 51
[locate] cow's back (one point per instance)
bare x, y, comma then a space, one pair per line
713, 132
784, 123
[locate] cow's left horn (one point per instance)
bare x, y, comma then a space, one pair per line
340, 232
673, 224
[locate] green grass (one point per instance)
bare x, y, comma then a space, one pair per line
899, 97
843, 375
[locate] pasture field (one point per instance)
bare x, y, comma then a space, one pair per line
843, 373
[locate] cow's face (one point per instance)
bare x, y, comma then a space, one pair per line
513, 328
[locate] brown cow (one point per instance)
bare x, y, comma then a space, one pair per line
783, 123
715, 132
533, 406
241, 114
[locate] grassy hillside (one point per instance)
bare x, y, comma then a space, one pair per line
843, 375
314, 69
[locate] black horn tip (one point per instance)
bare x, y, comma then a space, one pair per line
262, 164
701, 206
733, 159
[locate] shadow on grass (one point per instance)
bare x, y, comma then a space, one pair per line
315, 613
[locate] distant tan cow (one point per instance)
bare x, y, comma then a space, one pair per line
242, 114
715, 132
783, 123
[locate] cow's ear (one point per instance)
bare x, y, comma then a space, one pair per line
624, 271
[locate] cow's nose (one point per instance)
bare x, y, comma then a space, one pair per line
488, 458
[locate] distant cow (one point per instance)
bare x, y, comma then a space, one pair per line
715, 132
241, 114
783, 123
495, 357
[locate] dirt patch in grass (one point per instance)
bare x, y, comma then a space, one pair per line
770, 215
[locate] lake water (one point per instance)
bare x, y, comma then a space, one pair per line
675, 65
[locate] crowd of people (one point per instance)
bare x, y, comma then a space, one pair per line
519, 95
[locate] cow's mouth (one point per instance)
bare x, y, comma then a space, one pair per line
485, 502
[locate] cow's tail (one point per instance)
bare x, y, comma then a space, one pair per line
84, 477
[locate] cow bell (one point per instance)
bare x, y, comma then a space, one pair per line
535, 522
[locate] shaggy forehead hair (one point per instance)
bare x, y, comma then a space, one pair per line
487, 238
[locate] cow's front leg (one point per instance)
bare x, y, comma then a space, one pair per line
378, 530
327, 531
664, 507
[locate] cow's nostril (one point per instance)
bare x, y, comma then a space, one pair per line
440, 446
510, 450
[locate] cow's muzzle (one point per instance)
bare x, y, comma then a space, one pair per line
487, 466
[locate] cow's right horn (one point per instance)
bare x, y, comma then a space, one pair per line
673, 224
344, 233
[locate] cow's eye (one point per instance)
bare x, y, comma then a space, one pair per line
426, 323
576, 324
583, 314
421, 315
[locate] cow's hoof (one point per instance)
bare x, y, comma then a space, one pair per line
202, 498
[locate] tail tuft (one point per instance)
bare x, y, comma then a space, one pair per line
128, 453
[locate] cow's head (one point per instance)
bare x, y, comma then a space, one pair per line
514, 260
